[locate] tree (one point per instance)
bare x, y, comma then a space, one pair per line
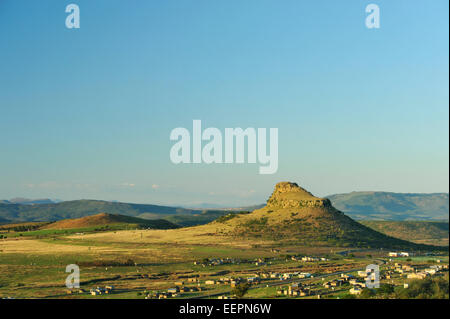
386, 289
240, 290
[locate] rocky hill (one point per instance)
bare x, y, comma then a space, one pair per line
293, 214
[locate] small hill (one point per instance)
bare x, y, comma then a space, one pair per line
421, 232
103, 219
294, 215
393, 206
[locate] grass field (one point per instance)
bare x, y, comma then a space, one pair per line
139, 261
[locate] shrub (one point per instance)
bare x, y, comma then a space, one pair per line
240, 290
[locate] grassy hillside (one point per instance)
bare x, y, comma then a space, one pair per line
81, 208
109, 219
393, 206
91, 224
199, 219
22, 226
432, 233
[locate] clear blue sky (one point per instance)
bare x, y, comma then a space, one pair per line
87, 113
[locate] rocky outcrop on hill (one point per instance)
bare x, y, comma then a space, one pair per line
293, 214
290, 195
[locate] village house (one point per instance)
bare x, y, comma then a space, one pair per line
399, 254
430, 271
347, 277
193, 279
173, 290
355, 291
184, 289
310, 259
337, 283
236, 281
294, 290
99, 290
254, 280
358, 283
418, 275
408, 268
362, 273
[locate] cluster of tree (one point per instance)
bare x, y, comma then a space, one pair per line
22, 228
429, 288
106, 263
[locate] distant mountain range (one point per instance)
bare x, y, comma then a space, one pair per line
12, 212
393, 206
357, 205
27, 201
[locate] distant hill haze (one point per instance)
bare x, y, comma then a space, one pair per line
393, 206
81, 208
27, 201
358, 205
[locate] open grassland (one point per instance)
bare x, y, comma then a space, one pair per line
139, 261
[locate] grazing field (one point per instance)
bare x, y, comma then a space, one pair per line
144, 263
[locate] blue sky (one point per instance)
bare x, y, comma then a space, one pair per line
87, 113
